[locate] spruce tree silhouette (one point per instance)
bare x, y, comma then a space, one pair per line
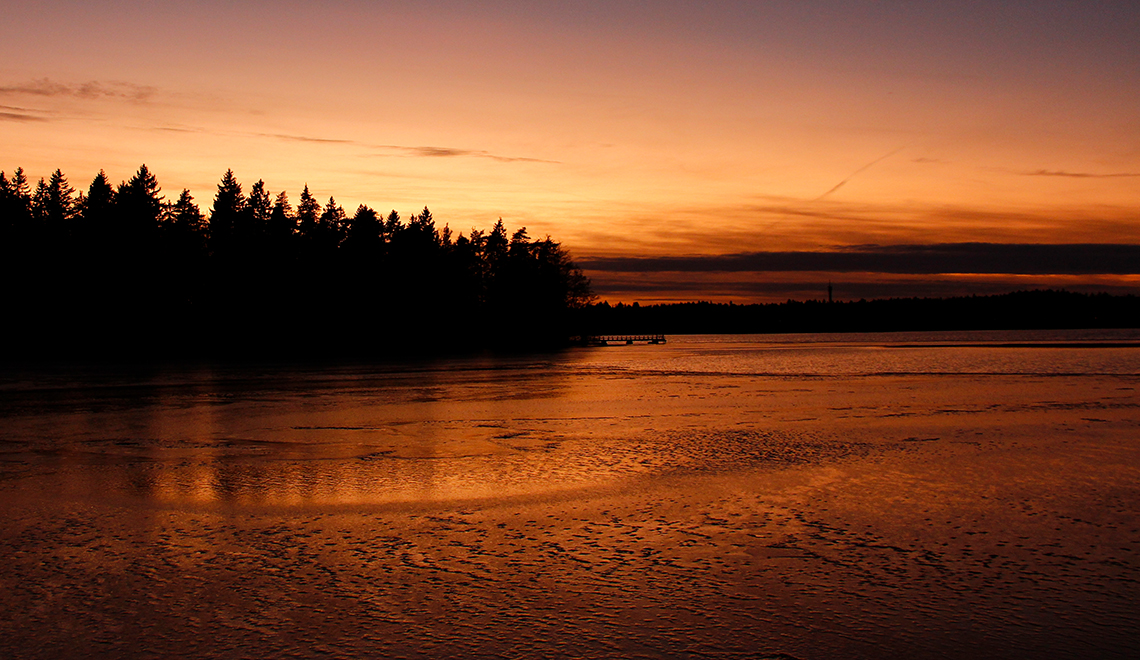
308, 213
331, 227
364, 236
138, 206
143, 277
41, 208
60, 213
18, 261
226, 219
185, 249
392, 225
282, 225
258, 210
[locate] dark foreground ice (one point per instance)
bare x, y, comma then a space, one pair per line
691, 500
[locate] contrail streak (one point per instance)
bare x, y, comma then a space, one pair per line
852, 175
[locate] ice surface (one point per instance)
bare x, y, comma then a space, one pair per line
728, 497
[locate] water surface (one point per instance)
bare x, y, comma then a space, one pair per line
910, 494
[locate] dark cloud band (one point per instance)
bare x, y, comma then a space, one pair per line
89, 90
17, 116
1083, 175
942, 258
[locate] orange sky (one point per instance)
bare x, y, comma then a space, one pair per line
621, 129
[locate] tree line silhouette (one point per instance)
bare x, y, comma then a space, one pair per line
1019, 310
121, 271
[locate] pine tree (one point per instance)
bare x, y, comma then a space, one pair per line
140, 195
225, 216
138, 210
20, 186
16, 207
61, 210
186, 217
308, 213
495, 245
520, 244
185, 232
364, 232
282, 225
392, 225
333, 223
41, 207
258, 207
95, 224
7, 208
423, 225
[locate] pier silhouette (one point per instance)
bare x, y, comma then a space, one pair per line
607, 340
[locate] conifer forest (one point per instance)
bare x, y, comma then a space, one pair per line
122, 271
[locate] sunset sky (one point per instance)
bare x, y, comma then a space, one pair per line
663, 143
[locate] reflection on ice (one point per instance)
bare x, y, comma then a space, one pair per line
471, 428
712, 496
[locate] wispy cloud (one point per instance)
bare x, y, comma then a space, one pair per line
14, 113
782, 223
306, 138
18, 116
403, 150
451, 152
432, 152
1082, 175
88, 90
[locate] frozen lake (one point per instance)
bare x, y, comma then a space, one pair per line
895, 495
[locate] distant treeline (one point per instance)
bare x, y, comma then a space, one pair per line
1021, 310
120, 271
